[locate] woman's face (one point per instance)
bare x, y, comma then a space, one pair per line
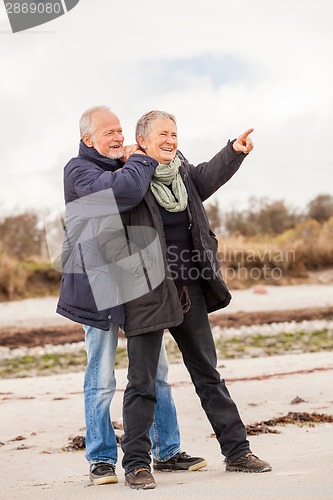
162, 141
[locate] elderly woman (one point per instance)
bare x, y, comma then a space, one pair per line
193, 287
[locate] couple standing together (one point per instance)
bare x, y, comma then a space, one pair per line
153, 189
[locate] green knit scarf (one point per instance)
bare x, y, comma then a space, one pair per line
175, 200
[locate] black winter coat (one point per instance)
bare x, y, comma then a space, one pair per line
161, 308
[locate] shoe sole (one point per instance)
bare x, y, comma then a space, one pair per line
149, 486
104, 480
243, 469
168, 468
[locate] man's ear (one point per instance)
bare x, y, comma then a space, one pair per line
87, 140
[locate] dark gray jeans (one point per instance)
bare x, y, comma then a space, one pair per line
195, 341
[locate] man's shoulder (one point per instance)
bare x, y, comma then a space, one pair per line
79, 162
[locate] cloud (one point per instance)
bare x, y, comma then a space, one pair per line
220, 68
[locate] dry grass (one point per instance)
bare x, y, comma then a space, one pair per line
278, 260
13, 276
288, 258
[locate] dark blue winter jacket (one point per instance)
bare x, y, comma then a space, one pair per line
95, 187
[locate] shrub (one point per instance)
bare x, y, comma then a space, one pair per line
13, 277
321, 208
21, 235
263, 217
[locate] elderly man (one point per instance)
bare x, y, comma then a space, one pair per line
96, 183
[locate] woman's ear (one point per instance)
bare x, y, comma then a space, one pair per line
141, 142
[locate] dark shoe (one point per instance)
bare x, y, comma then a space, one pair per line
103, 473
248, 463
140, 479
181, 461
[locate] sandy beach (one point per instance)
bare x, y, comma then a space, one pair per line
40, 415
41, 312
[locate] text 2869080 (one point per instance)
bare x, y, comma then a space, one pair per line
33, 8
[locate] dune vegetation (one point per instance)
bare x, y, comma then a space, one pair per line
268, 242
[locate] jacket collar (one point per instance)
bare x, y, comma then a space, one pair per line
93, 155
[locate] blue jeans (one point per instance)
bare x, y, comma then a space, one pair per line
99, 388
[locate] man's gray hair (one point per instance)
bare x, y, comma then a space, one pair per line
144, 123
86, 127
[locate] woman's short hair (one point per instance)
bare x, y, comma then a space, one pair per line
144, 123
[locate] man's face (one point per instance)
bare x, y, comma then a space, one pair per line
162, 141
107, 135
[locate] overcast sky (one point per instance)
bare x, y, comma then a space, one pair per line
220, 67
